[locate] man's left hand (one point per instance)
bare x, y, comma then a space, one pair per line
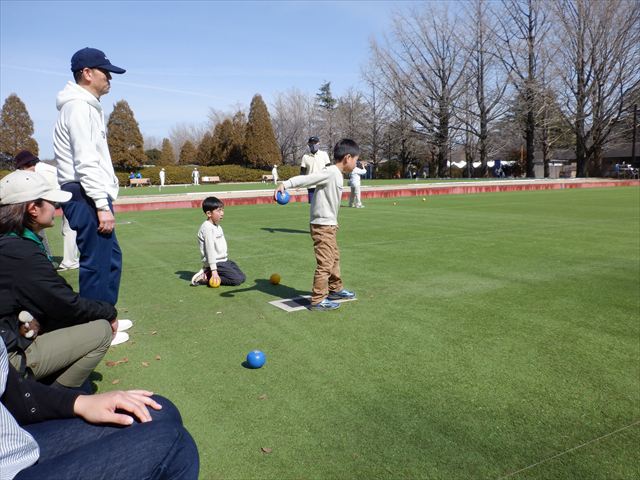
107, 221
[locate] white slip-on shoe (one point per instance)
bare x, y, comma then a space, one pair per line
124, 324
119, 338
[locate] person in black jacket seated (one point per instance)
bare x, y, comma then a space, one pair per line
144, 436
62, 337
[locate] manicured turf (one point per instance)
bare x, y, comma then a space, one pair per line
492, 332
233, 187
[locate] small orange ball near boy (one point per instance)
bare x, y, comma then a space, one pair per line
216, 269
327, 283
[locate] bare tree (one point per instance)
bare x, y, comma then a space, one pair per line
291, 119
423, 63
183, 132
351, 115
523, 28
598, 64
377, 117
485, 76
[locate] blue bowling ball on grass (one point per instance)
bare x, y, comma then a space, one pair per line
283, 197
256, 359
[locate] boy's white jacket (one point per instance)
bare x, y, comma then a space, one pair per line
80, 145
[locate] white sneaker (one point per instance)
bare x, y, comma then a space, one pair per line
119, 338
124, 324
199, 278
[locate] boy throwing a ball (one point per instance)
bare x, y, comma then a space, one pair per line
216, 266
327, 284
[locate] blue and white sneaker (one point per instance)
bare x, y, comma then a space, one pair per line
342, 295
325, 304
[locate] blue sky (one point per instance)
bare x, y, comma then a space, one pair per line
182, 58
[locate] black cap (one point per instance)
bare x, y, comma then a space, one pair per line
93, 58
313, 140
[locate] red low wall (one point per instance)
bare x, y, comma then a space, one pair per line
381, 192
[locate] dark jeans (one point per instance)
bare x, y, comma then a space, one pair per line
72, 449
230, 273
100, 255
310, 192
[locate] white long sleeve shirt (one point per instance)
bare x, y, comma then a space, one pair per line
80, 145
326, 199
213, 246
354, 176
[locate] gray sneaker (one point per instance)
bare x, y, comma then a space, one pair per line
325, 304
342, 295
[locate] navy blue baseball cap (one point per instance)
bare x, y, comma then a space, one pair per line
93, 58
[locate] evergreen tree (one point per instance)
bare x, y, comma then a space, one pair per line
16, 128
167, 156
205, 150
324, 97
153, 155
238, 136
220, 142
126, 144
188, 154
261, 149
228, 140
326, 105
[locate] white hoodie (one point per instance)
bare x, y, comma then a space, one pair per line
80, 145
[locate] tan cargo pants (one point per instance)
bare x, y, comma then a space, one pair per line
327, 274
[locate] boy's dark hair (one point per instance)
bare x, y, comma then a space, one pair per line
210, 204
345, 147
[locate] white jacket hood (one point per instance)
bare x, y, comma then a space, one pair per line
73, 91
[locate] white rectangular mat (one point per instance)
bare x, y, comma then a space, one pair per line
299, 303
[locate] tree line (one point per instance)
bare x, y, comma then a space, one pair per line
510, 80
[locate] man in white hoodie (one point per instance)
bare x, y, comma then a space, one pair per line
85, 170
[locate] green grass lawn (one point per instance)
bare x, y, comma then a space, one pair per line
491, 333
233, 187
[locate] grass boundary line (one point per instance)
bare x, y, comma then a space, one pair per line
545, 460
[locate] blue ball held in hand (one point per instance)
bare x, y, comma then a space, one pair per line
256, 359
283, 197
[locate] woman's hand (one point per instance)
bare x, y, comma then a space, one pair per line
101, 408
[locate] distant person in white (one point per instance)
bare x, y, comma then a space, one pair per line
162, 177
354, 182
195, 175
71, 255
274, 174
313, 162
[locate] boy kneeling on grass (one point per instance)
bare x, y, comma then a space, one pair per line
327, 284
216, 266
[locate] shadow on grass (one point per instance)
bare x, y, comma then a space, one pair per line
185, 275
265, 286
93, 380
283, 230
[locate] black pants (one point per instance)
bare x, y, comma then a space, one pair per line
230, 273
